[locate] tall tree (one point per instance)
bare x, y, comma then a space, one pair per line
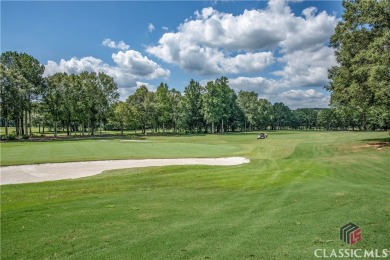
107, 94
265, 111
141, 106
281, 115
217, 102
32, 71
226, 99
53, 97
212, 100
120, 113
12, 97
248, 102
192, 106
175, 100
362, 42
163, 104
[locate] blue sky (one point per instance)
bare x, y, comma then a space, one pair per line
278, 49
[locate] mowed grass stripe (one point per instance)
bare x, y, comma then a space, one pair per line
284, 204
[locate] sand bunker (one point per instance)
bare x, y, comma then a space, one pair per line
72, 170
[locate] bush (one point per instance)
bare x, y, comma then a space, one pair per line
25, 136
12, 136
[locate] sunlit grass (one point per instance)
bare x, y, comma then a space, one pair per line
299, 188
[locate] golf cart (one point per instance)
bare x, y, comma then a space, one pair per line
262, 136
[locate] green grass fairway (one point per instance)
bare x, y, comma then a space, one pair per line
15, 153
293, 197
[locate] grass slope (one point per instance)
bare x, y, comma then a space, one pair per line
299, 188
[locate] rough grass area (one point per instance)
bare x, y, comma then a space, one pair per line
293, 197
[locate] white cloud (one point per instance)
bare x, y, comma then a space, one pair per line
264, 87
76, 66
121, 45
307, 67
134, 63
151, 27
304, 99
223, 43
207, 60
280, 91
130, 67
164, 28
255, 29
309, 33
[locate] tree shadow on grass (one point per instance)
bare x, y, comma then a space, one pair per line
378, 142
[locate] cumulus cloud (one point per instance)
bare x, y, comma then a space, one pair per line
266, 88
215, 43
121, 45
76, 66
307, 67
275, 26
207, 60
151, 27
304, 99
218, 43
280, 91
131, 66
134, 63
309, 33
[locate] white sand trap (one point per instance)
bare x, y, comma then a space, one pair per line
72, 170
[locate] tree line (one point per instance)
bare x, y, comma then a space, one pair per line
80, 104
217, 108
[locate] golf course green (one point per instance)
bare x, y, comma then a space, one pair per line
292, 198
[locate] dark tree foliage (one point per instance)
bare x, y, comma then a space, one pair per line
362, 41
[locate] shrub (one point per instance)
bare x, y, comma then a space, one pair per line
12, 136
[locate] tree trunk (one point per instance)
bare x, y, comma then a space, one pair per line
21, 125
16, 126
26, 122
82, 128
212, 127
55, 128
68, 126
92, 127
30, 119
6, 127
222, 126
